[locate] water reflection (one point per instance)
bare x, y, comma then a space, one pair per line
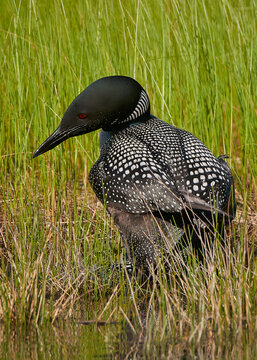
124, 339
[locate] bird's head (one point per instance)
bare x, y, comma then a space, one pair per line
109, 103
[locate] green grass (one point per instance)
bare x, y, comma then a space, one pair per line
198, 63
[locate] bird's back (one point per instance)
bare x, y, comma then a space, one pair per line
154, 166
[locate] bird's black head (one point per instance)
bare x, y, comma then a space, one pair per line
109, 103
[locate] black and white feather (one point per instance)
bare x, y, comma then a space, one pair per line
140, 109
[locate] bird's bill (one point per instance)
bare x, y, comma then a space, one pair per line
57, 137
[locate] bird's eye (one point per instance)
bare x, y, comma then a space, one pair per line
82, 116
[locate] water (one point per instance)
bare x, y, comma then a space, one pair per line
78, 339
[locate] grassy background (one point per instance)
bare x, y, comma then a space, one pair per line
198, 62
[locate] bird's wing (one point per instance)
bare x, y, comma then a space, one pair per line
130, 178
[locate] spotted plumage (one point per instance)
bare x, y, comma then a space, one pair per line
153, 176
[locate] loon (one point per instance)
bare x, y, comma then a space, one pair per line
161, 184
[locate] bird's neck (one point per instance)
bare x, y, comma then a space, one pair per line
106, 135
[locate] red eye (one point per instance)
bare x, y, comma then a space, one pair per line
82, 116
